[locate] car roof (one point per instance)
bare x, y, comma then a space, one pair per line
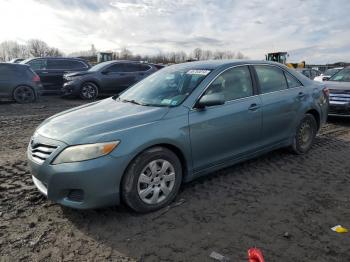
53, 58
214, 64
124, 61
13, 64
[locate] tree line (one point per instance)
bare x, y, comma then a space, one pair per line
32, 48
38, 48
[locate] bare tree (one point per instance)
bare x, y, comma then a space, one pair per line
207, 54
219, 54
11, 49
239, 55
37, 48
180, 57
197, 53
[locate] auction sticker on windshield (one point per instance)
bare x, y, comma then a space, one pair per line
198, 72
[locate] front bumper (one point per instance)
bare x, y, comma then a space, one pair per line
83, 185
70, 88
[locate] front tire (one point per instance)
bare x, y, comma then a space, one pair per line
24, 94
88, 91
305, 135
152, 180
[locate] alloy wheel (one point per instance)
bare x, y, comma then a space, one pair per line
156, 181
24, 94
89, 91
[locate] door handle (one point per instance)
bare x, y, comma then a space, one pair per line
254, 107
301, 95
44, 72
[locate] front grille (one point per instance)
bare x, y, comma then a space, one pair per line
340, 97
40, 152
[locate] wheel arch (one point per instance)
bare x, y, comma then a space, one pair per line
91, 81
175, 149
316, 115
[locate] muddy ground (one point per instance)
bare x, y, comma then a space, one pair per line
282, 203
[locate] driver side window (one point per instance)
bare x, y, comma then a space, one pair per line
234, 83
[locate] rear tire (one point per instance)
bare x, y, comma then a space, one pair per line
88, 91
305, 135
24, 94
152, 180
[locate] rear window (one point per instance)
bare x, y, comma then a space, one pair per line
144, 68
292, 81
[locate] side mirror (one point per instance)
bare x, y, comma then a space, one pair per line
325, 78
211, 100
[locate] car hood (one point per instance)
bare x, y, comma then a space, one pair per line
91, 122
75, 74
337, 85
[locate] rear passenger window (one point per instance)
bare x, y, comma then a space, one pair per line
129, 68
116, 68
271, 79
38, 64
292, 81
73, 64
234, 83
58, 64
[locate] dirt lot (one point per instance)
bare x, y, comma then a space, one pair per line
281, 203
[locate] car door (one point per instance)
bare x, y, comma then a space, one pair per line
132, 74
6, 80
143, 71
227, 131
113, 78
281, 97
56, 69
39, 65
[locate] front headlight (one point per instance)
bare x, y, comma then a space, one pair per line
85, 152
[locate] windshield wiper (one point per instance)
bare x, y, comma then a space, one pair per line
133, 102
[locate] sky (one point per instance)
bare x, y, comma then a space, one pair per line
316, 31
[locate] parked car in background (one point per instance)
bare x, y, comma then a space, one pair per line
16, 60
182, 122
110, 77
327, 74
18, 82
52, 69
339, 93
309, 72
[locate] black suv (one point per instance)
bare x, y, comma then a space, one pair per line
19, 82
52, 69
108, 77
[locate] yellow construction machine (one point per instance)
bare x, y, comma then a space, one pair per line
281, 57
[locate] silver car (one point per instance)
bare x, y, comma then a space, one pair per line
339, 93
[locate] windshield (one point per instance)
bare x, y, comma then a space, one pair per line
98, 67
167, 87
341, 76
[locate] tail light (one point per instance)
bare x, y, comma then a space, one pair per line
36, 78
326, 91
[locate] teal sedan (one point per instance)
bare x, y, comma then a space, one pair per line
182, 122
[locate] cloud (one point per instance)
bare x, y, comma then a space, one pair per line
312, 30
